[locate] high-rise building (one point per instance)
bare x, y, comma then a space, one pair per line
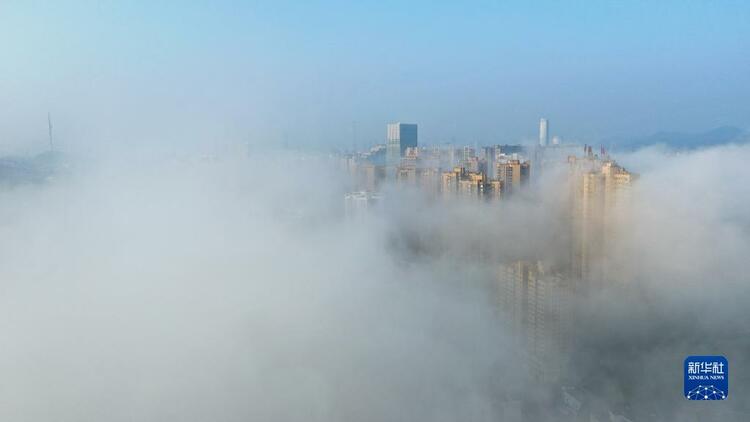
472, 186
449, 181
489, 154
536, 306
600, 189
514, 174
494, 189
471, 164
462, 183
469, 153
400, 136
543, 132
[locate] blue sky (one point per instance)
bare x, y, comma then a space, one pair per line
174, 72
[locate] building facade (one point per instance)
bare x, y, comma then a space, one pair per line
400, 136
543, 132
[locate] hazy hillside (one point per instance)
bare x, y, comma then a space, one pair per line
681, 140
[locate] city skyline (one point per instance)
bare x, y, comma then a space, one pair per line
374, 211
474, 72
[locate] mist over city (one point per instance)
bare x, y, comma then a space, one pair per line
375, 211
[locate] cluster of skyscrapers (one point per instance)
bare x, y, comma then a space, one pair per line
536, 295
489, 173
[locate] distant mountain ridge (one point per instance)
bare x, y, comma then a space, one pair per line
681, 140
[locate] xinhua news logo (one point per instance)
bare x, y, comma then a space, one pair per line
706, 378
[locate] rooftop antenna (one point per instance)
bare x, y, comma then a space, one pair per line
354, 136
49, 125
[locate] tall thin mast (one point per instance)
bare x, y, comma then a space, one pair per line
49, 125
